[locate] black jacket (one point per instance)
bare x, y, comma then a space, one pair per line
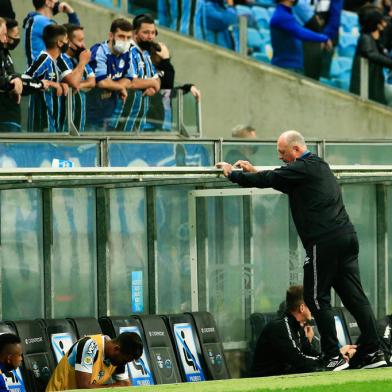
315, 198
374, 51
283, 348
10, 110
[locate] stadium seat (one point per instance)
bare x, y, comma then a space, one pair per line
341, 327
341, 72
85, 326
349, 22
211, 346
265, 36
351, 325
261, 57
265, 3
243, 10
163, 359
347, 45
257, 322
61, 336
254, 40
38, 362
187, 347
262, 17
139, 371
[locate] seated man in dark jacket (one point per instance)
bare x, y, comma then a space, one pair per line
285, 344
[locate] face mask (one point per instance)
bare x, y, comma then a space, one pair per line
121, 46
64, 48
56, 7
146, 45
14, 44
78, 50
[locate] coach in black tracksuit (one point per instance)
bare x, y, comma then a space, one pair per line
328, 237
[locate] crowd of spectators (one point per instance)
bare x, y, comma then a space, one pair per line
122, 84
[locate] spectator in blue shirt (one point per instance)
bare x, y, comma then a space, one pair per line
114, 75
218, 18
10, 360
47, 108
320, 16
36, 21
131, 114
82, 77
286, 37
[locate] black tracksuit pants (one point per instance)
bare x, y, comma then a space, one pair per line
334, 263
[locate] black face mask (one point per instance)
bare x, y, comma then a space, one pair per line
77, 51
146, 45
14, 44
56, 8
64, 48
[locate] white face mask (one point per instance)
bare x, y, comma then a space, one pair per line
121, 46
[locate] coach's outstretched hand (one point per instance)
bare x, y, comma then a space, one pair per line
227, 168
245, 166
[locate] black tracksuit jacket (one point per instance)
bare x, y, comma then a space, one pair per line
315, 198
283, 348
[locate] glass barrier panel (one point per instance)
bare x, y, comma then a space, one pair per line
358, 154
74, 252
270, 225
128, 277
42, 154
161, 154
172, 249
259, 154
21, 254
360, 201
138, 114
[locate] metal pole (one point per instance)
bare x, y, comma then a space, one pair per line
71, 126
364, 78
243, 32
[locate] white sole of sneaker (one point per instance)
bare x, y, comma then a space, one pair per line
341, 367
375, 365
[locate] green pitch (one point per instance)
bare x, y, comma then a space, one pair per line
377, 380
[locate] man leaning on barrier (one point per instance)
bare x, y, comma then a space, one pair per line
329, 239
94, 360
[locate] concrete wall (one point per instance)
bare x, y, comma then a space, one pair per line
238, 90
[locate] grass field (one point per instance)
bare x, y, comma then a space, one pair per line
377, 380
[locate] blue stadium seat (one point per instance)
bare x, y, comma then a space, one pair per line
347, 45
243, 10
265, 3
341, 72
254, 40
349, 22
140, 371
261, 57
262, 17
265, 35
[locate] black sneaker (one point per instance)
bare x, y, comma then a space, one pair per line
335, 364
374, 360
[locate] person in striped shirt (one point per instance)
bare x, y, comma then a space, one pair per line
36, 21
47, 108
82, 77
10, 360
131, 114
115, 76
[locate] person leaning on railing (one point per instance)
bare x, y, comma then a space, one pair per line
78, 73
111, 63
